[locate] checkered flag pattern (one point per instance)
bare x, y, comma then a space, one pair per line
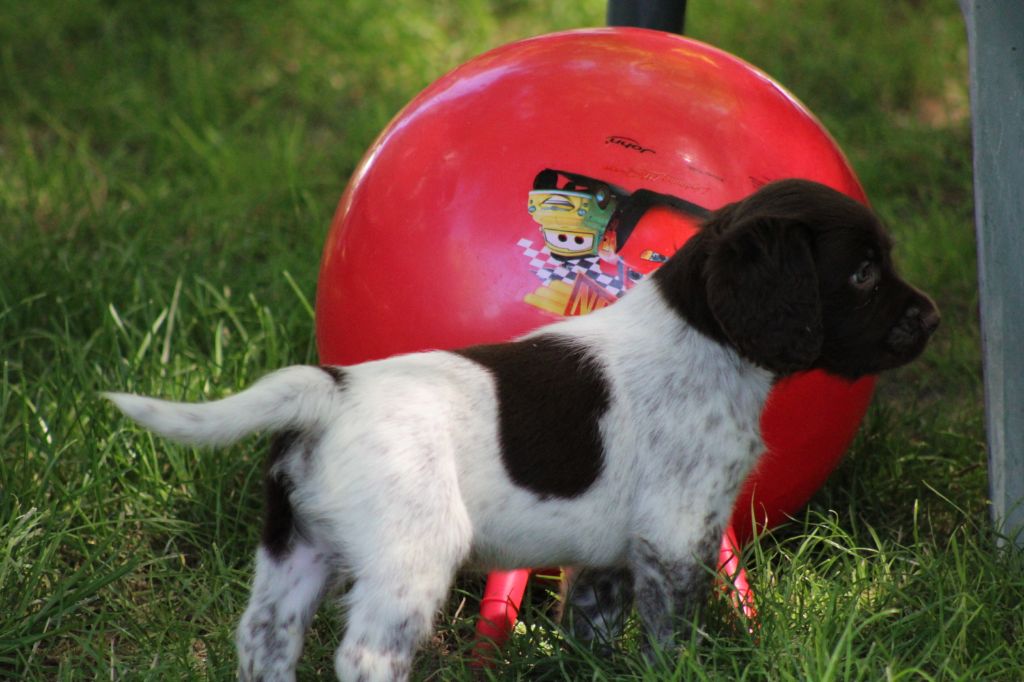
549, 268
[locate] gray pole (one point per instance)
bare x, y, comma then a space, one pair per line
995, 33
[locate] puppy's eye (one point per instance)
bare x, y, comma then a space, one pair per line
864, 276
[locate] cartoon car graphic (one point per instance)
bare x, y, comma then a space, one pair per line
573, 218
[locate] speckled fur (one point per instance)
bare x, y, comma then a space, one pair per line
399, 477
407, 484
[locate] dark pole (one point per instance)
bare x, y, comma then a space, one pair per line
663, 15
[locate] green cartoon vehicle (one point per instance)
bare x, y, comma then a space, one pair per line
573, 217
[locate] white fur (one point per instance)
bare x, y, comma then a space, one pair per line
406, 483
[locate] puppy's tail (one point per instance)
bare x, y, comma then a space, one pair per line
298, 397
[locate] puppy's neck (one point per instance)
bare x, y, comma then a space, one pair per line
646, 327
683, 286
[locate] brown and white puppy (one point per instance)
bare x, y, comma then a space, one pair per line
616, 441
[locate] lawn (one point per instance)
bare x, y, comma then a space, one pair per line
168, 172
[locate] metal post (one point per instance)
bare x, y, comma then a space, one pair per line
663, 15
995, 33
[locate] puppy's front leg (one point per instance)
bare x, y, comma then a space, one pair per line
595, 603
669, 587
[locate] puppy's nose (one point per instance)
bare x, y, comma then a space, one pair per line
927, 320
930, 321
913, 328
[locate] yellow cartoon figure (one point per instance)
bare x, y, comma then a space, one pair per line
573, 219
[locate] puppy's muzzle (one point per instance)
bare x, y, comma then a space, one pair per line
911, 332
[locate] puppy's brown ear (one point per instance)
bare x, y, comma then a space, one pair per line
762, 288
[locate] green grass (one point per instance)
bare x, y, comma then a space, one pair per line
167, 175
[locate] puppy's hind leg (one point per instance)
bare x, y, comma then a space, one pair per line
287, 589
387, 620
286, 592
400, 584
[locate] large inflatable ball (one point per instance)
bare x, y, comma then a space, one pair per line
543, 180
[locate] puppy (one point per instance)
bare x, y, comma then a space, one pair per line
616, 441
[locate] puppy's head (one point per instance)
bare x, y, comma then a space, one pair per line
798, 276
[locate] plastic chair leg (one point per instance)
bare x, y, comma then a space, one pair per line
499, 609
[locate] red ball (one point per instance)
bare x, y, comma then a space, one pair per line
511, 192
